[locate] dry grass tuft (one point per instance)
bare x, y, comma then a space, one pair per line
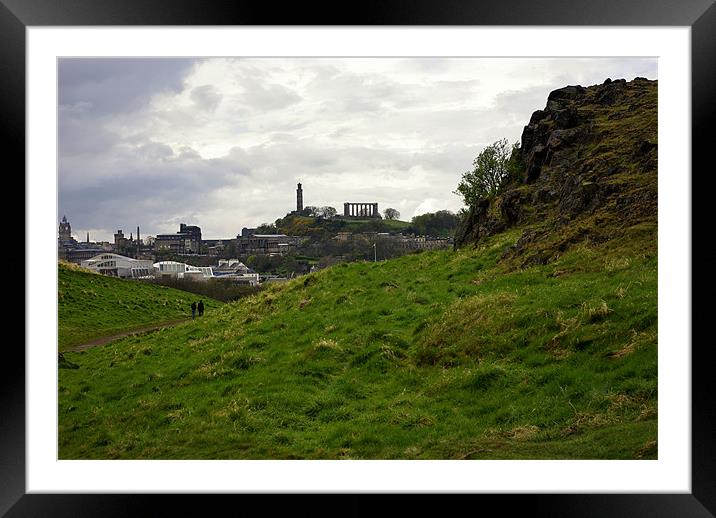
595, 311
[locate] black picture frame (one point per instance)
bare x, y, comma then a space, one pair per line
700, 15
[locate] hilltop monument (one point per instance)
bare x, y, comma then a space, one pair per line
299, 198
360, 210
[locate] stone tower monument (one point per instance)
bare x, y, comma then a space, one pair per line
299, 198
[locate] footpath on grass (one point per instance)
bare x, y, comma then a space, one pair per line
111, 338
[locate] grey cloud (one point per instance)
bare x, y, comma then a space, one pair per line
149, 188
155, 151
118, 85
94, 90
83, 135
206, 97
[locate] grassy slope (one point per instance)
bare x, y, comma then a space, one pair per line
92, 306
356, 224
437, 355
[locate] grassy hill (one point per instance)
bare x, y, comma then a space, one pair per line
310, 226
91, 306
535, 339
367, 224
436, 355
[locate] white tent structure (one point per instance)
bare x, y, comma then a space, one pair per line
119, 266
182, 270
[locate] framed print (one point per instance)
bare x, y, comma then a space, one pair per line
506, 353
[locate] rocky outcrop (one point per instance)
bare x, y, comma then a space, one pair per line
590, 163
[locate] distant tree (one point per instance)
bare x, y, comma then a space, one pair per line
436, 224
327, 212
310, 211
266, 228
391, 213
515, 165
488, 173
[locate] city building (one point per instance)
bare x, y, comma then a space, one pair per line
65, 232
186, 241
230, 266
267, 244
236, 271
413, 242
69, 249
174, 269
79, 254
119, 266
120, 241
216, 246
130, 246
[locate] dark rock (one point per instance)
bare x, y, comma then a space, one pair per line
568, 92
577, 167
543, 195
528, 236
471, 228
561, 98
609, 93
580, 196
511, 207
566, 118
644, 147
538, 259
538, 116
534, 162
527, 138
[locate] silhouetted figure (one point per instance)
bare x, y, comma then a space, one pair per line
200, 307
193, 310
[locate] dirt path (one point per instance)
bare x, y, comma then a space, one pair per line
107, 339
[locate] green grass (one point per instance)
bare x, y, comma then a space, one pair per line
92, 306
386, 225
453, 355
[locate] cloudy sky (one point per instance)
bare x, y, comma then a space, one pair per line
222, 142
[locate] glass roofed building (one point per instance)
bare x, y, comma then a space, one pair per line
182, 270
119, 266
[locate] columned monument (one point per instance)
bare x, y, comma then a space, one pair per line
360, 210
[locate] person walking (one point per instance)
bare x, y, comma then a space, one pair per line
193, 309
200, 307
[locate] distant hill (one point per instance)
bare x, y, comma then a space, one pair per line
323, 228
91, 305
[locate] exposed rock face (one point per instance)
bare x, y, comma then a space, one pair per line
590, 161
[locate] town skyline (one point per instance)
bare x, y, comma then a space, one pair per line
221, 143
